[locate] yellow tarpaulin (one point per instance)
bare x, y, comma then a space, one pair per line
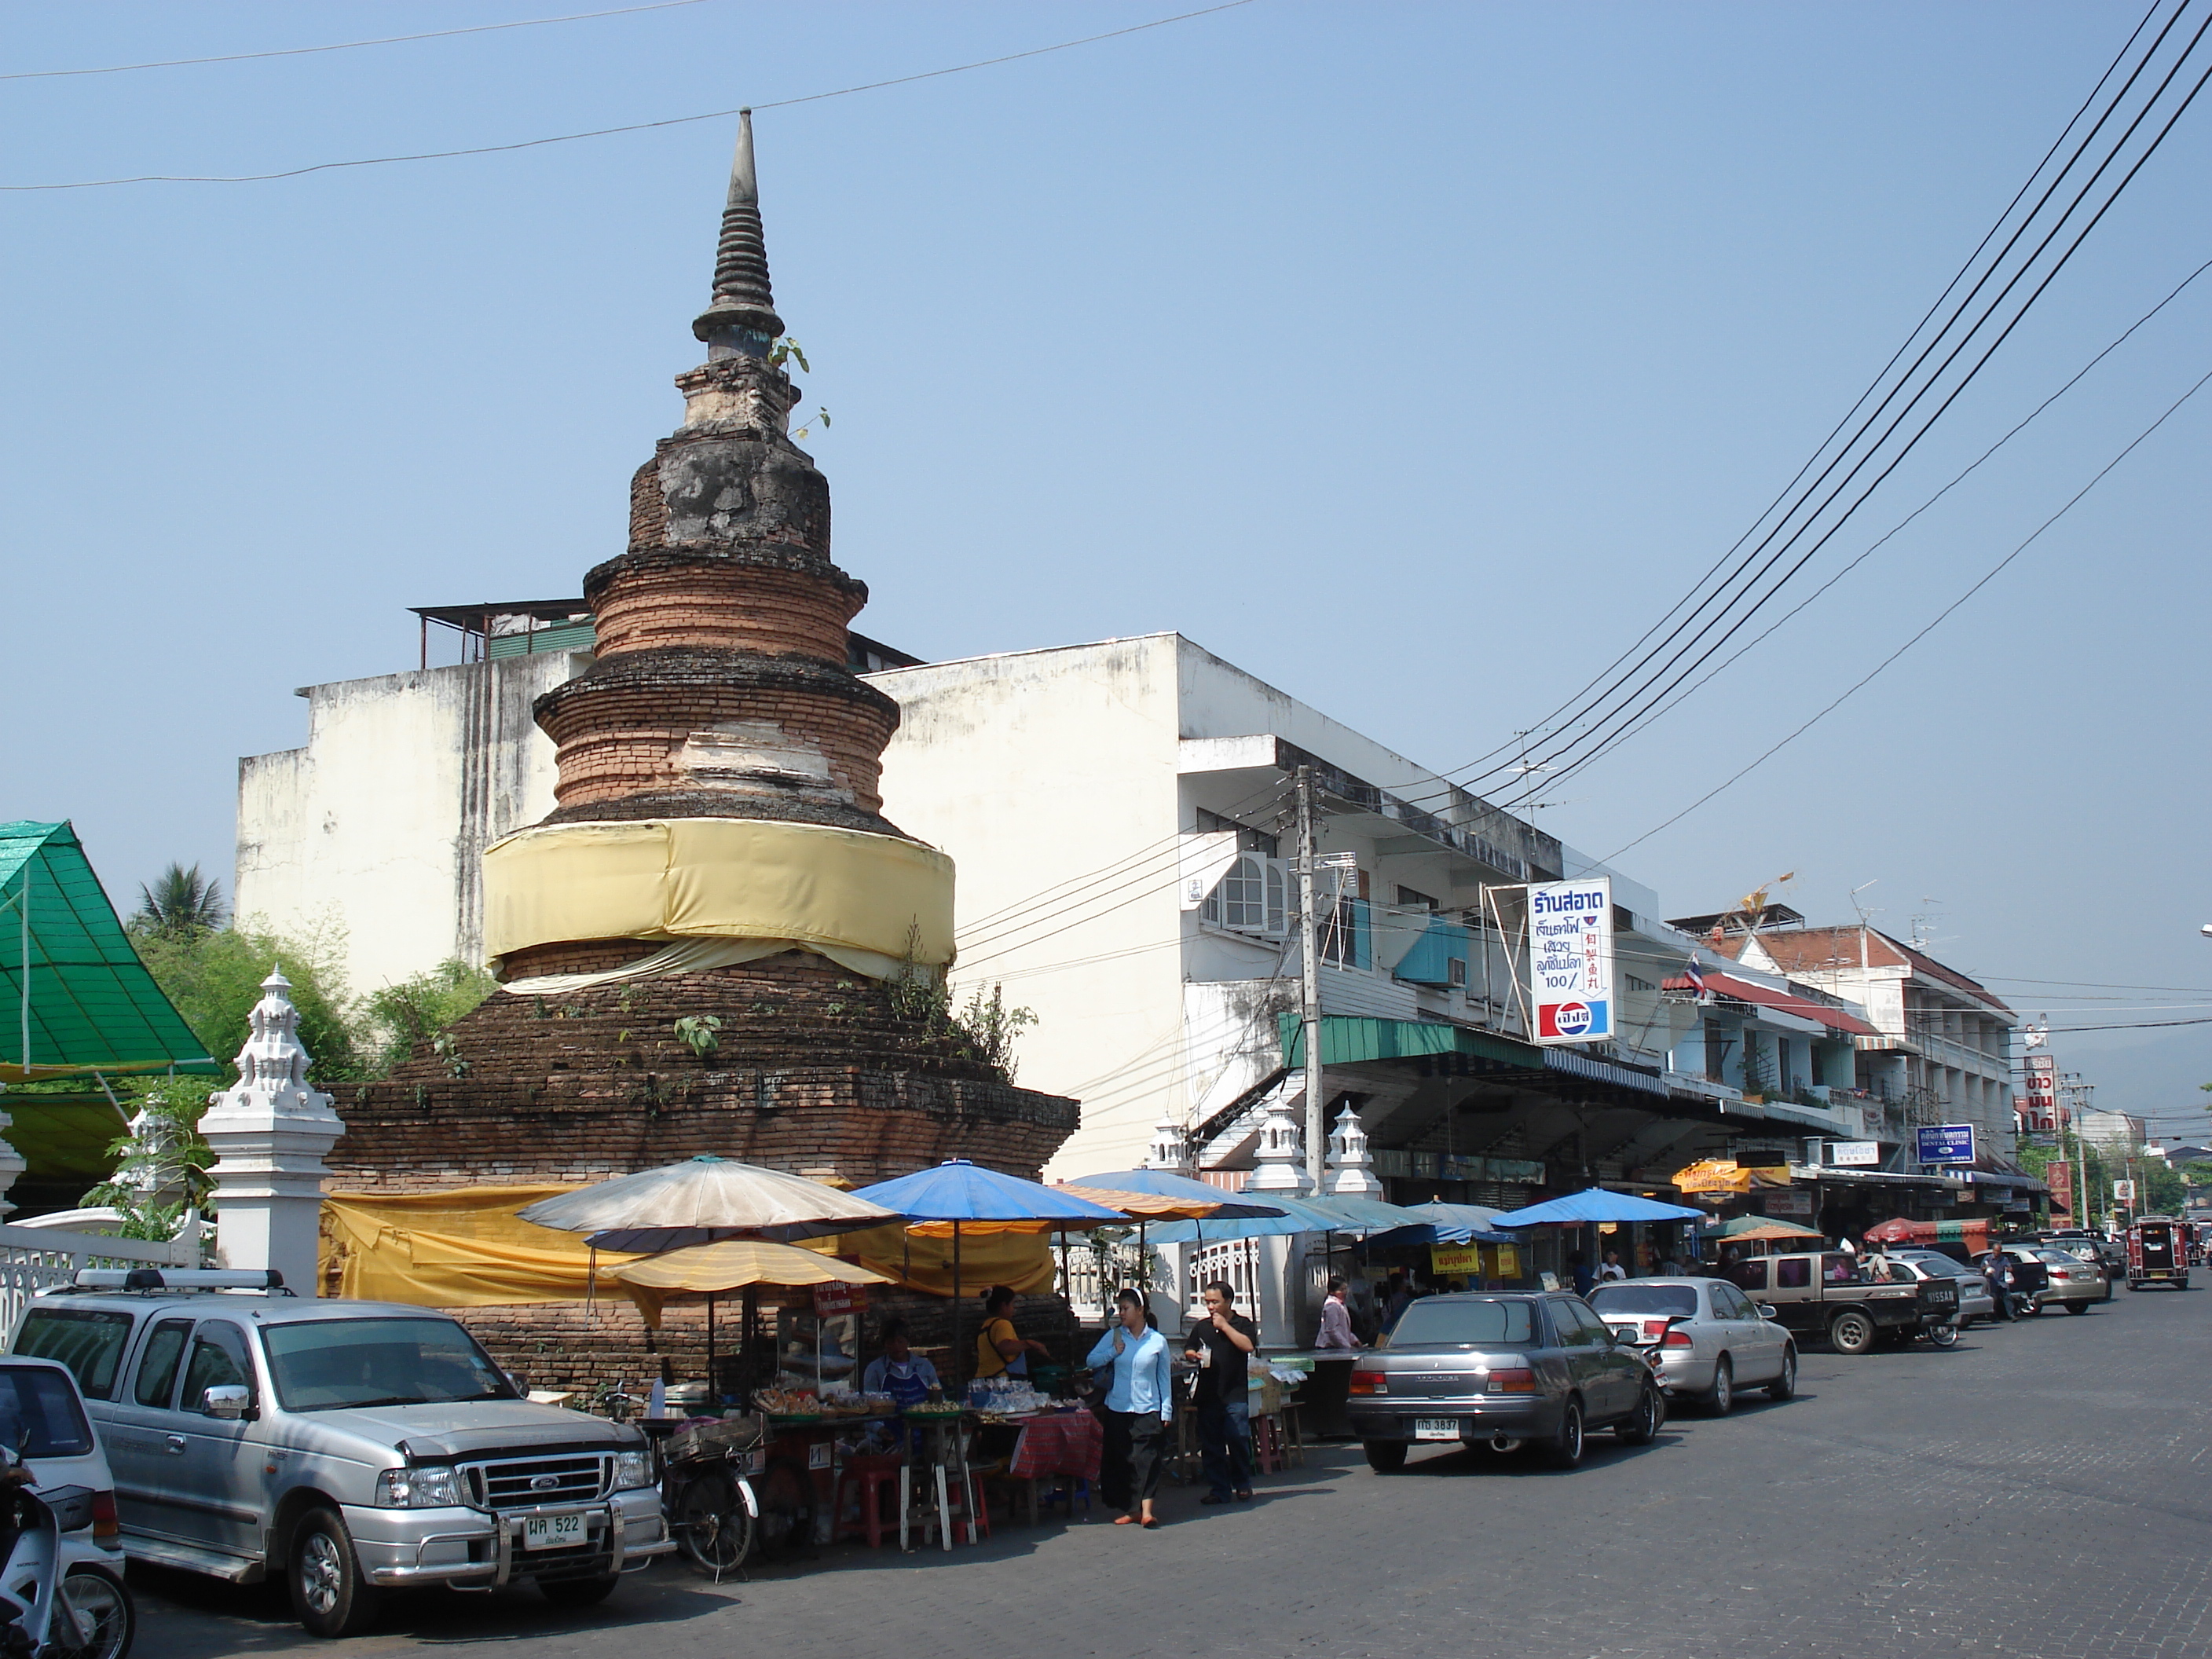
1018, 1261
853, 897
465, 1248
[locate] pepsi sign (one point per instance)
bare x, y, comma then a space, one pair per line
1570, 936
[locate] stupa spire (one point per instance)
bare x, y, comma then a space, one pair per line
740, 321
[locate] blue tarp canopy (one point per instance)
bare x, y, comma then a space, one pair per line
1596, 1204
1438, 1222
74, 997
957, 1190
1364, 1218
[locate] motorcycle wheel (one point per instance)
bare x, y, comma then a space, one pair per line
104, 1607
1943, 1336
712, 1529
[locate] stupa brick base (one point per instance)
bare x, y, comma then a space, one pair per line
814, 1071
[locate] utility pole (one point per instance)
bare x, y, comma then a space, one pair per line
1309, 982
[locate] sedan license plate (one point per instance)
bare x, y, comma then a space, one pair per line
553, 1532
1436, 1428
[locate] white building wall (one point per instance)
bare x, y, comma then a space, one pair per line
1049, 776
377, 828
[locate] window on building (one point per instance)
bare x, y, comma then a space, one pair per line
1455, 972
1411, 899
1343, 934
1248, 899
1249, 840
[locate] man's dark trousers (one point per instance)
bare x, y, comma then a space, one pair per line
1224, 1438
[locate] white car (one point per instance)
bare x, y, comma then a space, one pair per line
1706, 1337
44, 1422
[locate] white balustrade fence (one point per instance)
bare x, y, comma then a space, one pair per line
34, 1259
1235, 1262
1093, 1278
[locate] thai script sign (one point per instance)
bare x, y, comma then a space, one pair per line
1945, 1143
1570, 960
2039, 1094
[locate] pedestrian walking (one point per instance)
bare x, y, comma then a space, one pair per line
1996, 1273
1335, 1318
1585, 1280
1139, 1407
1401, 1298
1221, 1344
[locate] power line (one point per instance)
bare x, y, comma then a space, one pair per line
345, 45
634, 126
1989, 577
1693, 645
1593, 711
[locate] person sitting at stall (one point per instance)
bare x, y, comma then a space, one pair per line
899, 1371
1000, 1351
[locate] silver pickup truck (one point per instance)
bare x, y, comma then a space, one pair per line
348, 1446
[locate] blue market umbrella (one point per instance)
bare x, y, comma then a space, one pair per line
1438, 1222
958, 1191
1364, 1218
1595, 1204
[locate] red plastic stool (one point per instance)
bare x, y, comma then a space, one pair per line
866, 1478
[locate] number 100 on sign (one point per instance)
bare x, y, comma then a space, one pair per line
1570, 960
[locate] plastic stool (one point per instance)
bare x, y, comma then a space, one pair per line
866, 1479
1071, 1491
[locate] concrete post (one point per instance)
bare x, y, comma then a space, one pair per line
269, 1131
11, 1164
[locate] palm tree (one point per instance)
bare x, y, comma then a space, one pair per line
180, 903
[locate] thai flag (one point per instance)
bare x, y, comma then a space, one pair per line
1696, 978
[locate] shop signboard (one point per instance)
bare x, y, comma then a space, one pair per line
2058, 1175
2123, 1192
1793, 1203
1446, 1260
1570, 960
2039, 1094
1945, 1143
840, 1298
1509, 1262
1855, 1154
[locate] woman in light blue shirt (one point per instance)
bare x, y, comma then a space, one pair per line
1139, 1407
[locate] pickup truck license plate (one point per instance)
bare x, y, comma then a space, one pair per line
553, 1532
1436, 1428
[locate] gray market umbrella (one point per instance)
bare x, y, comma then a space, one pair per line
702, 1200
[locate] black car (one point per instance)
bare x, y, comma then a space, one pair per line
1503, 1370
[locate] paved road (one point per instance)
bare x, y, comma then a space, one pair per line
2041, 1491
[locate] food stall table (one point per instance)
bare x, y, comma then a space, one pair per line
941, 1460
1064, 1444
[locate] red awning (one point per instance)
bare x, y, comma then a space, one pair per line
1743, 990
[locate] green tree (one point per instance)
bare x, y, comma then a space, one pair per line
2163, 1189
423, 1007
171, 1154
180, 903
215, 978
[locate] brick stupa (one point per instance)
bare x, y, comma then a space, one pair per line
720, 710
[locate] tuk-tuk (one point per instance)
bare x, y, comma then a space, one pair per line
2158, 1252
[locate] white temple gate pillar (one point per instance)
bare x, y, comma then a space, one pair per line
269, 1131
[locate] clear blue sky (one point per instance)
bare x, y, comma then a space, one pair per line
1352, 341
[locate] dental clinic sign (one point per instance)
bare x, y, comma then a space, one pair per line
1570, 960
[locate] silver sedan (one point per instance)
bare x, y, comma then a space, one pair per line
1975, 1301
1709, 1340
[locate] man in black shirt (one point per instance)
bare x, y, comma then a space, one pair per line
1222, 1343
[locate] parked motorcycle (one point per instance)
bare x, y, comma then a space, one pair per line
62, 1594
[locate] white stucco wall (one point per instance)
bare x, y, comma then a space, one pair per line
377, 827
1050, 778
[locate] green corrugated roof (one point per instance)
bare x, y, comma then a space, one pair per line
1348, 1040
92, 1004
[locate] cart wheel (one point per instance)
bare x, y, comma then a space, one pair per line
786, 1492
712, 1527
